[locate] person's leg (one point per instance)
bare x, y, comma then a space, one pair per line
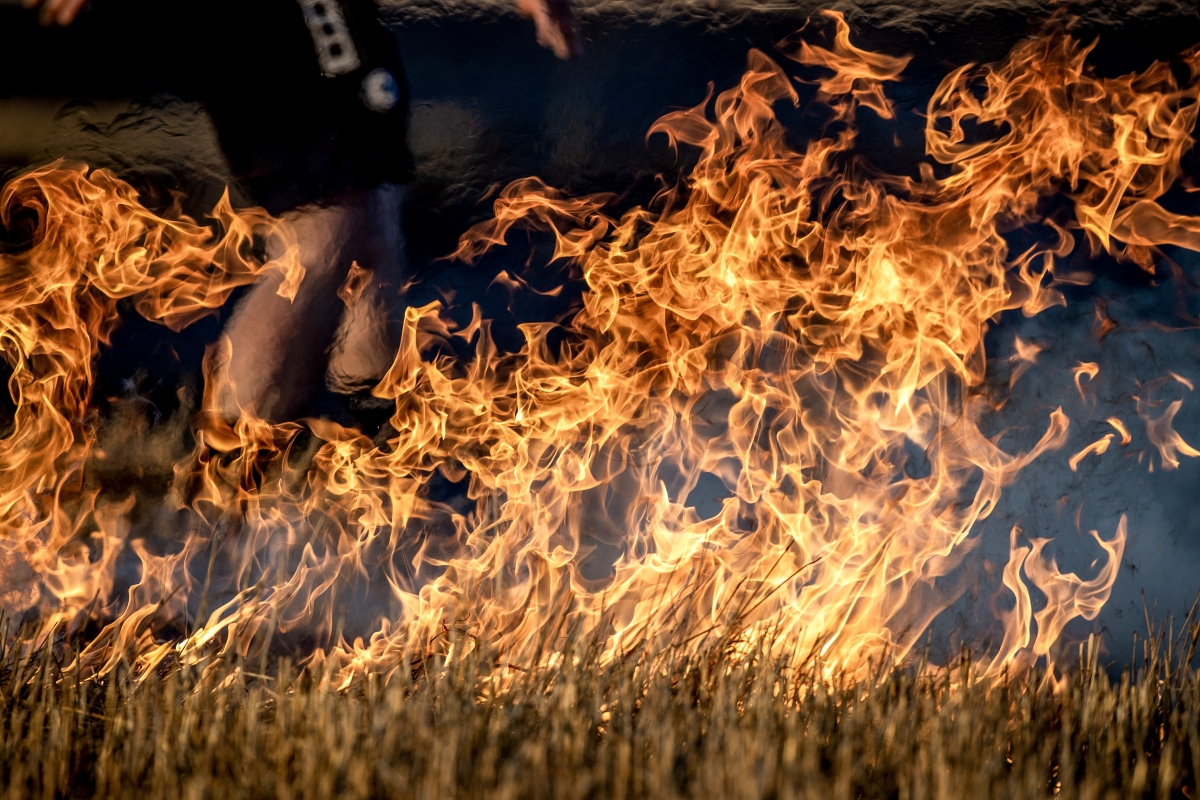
366, 339
322, 144
280, 348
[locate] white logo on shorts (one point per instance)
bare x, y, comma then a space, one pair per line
380, 92
336, 52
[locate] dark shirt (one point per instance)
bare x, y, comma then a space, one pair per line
308, 97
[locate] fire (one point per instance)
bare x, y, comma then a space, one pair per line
1121, 429
90, 244
1098, 447
792, 321
1085, 369
1160, 429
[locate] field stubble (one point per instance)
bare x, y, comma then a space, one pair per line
729, 722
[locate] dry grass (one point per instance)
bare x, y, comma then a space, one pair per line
713, 726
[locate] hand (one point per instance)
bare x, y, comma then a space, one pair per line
556, 27
60, 12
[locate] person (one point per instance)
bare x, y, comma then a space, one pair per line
310, 103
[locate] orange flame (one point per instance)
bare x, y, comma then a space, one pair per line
1085, 369
800, 326
91, 244
1121, 429
1160, 430
1098, 447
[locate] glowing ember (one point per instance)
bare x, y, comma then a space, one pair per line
794, 322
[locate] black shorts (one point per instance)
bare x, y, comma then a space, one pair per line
309, 97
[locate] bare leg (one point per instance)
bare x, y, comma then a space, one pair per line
365, 343
280, 347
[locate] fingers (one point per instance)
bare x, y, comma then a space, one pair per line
69, 11
57, 12
49, 10
555, 23
565, 37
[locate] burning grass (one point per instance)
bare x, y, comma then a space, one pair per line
789, 320
732, 722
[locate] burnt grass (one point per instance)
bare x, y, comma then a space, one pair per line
729, 722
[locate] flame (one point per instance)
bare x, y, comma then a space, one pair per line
91, 244
788, 320
1025, 357
1119, 426
1085, 369
1098, 447
1160, 430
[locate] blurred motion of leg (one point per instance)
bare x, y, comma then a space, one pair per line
280, 348
366, 339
